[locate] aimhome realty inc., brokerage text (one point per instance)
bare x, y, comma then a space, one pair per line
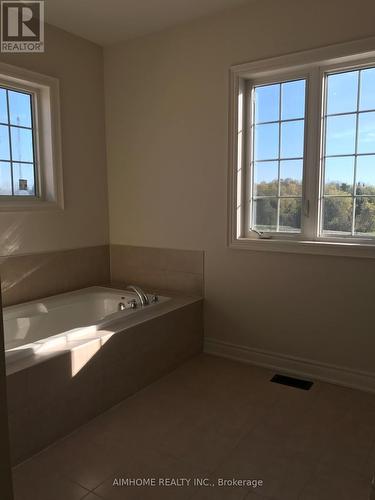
183, 482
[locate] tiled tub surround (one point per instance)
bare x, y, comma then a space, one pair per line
61, 390
159, 268
32, 276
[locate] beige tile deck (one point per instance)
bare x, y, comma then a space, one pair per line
214, 418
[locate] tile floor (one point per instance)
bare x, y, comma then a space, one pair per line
215, 418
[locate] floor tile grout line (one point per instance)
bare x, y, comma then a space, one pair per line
73, 481
92, 493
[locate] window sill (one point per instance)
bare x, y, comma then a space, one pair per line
336, 249
29, 206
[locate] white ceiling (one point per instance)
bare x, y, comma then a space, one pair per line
109, 21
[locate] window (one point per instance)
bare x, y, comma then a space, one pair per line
30, 149
302, 141
348, 201
17, 147
277, 156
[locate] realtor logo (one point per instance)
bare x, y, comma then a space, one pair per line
22, 26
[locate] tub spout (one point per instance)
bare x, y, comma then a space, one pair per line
140, 293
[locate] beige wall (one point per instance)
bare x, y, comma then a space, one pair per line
78, 65
166, 118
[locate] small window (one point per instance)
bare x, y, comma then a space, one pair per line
30, 144
17, 146
278, 124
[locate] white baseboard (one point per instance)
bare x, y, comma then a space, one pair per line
347, 377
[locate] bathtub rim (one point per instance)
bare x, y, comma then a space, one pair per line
63, 301
119, 325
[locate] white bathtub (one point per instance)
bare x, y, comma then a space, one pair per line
60, 321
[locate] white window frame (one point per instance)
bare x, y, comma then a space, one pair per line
44, 92
281, 77
312, 65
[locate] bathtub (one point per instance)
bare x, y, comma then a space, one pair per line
60, 322
74, 355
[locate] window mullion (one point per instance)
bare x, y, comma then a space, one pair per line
278, 166
313, 153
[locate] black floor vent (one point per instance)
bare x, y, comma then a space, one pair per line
292, 382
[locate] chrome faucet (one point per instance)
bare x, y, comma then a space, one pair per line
140, 293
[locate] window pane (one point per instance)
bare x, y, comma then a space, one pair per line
266, 178
367, 93
337, 215
278, 156
290, 215
365, 175
342, 91
267, 103
3, 106
340, 135
22, 144
366, 133
4, 143
19, 108
265, 214
23, 179
292, 139
291, 177
5, 179
365, 216
266, 141
339, 176
293, 100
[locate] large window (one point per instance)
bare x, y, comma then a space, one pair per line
17, 145
303, 150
